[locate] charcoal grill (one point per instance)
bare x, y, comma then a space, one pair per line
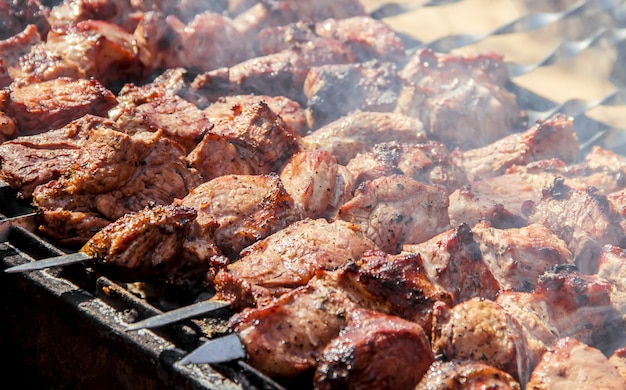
65, 328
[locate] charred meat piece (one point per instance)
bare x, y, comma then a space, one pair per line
481, 330
289, 110
517, 257
359, 132
73, 11
572, 363
335, 90
462, 100
583, 219
29, 161
397, 210
453, 260
375, 350
466, 375
289, 258
234, 211
429, 163
146, 245
53, 104
552, 138
14, 47
114, 174
17, 15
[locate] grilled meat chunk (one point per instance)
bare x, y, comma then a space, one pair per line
573, 364
146, 245
453, 260
397, 210
375, 350
289, 258
481, 330
17, 15
335, 90
235, 211
618, 360
466, 375
12, 49
69, 12
52, 104
517, 257
429, 163
612, 267
360, 131
552, 138
28, 161
462, 100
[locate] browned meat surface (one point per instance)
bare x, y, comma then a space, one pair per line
618, 360
552, 138
397, 210
573, 364
481, 330
28, 161
17, 15
375, 351
359, 132
8, 128
217, 156
13, 48
53, 104
466, 375
612, 267
335, 90
517, 257
114, 174
289, 258
429, 163
72, 11
147, 245
453, 260
289, 110
311, 179
235, 211
462, 100
583, 219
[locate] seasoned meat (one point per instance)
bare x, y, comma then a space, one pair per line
453, 260
397, 210
375, 350
53, 104
517, 257
13, 48
147, 245
462, 100
583, 219
69, 12
289, 258
481, 330
28, 161
236, 211
289, 110
466, 375
17, 15
216, 155
552, 138
429, 163
618, 360
573, 364
612, 267
335, 90
359, 132
8, 128
113, 175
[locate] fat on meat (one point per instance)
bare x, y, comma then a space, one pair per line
466, 375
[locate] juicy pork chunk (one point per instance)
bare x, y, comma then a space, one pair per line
466, 375
429, 163
360, 132
234, 211
582, 219
375, 350
52, 104
552, 138
481, 330
335, 90
453, 260
517, 257
397, 210
289, 258
69, 12
462, 101
28, 161
146, 245
573, 364
113, 174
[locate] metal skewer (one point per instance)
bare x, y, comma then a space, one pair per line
57, 261
180, 314
219, 350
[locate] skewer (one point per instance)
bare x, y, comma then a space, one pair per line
56, 261
26, 221
221, 350
179, 314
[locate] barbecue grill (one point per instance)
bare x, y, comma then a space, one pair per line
65, 328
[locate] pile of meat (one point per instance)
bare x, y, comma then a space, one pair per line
375, 219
